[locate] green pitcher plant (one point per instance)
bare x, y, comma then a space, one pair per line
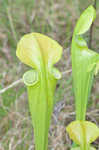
40, 53
85, 62
83, 133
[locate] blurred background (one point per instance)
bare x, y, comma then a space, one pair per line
55, 18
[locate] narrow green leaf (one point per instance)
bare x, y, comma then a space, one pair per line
41, 53
84, 62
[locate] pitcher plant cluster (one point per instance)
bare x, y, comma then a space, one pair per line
41, 53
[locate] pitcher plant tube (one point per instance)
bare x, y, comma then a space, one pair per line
85, 62
40, 53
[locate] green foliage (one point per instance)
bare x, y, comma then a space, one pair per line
41, 53
3, 112
84, 63
8, 99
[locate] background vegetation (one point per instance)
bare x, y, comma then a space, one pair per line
55, 18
